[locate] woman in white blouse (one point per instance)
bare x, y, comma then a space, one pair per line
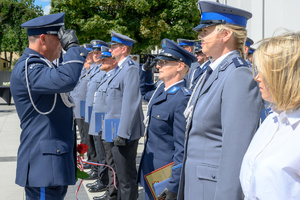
271, 165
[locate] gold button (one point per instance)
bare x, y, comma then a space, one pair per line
158, 116
57, 151
82, 54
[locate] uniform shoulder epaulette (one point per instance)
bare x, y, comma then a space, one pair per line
130, 62
34, 59
34, 56
239, 62
186, 91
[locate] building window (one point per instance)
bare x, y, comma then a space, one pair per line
4, 65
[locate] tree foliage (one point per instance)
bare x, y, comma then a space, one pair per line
13, 13
146, 21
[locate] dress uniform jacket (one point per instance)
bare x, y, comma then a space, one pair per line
124, 101
224, 120
195, 73
194, 65
79, 92
165, 133
46, 152
95, 77
99, 104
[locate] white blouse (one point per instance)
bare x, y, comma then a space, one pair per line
271, 165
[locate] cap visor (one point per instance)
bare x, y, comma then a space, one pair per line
113, 42
160, 57
201, 26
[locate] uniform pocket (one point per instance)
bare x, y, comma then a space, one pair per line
207, 172
159, 122
115, 90
53, 147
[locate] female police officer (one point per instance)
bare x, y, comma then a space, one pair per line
223, 112
165, 124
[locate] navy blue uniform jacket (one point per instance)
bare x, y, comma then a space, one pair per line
166, 131
46, 151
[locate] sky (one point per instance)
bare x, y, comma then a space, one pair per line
45, 4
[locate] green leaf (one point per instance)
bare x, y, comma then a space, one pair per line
81, 174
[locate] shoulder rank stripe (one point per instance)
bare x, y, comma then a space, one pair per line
238, 62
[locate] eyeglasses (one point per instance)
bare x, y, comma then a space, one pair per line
115, 46
164, 63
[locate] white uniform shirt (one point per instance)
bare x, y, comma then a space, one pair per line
271, 165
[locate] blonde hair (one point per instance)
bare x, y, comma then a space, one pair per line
240, 35
278, 63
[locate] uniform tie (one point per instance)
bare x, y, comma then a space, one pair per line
208, 73
116, 69
198, 71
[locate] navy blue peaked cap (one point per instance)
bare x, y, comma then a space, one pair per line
88, 47
173, 52
117, 38
97, 44
105, 52
248, 42
185, 42
48, 24
213, 13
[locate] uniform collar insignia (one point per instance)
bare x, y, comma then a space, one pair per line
173, 90
224, 66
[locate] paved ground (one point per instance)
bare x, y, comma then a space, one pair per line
9, 142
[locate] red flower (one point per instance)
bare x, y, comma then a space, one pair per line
82, 148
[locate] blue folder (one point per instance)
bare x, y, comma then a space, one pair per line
159, 187
90, 109
99, 119
82, 108
111, 129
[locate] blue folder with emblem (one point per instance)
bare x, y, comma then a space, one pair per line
99, 121
111, 129
90, 109
82, 108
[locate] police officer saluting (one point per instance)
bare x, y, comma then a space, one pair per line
46, 163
